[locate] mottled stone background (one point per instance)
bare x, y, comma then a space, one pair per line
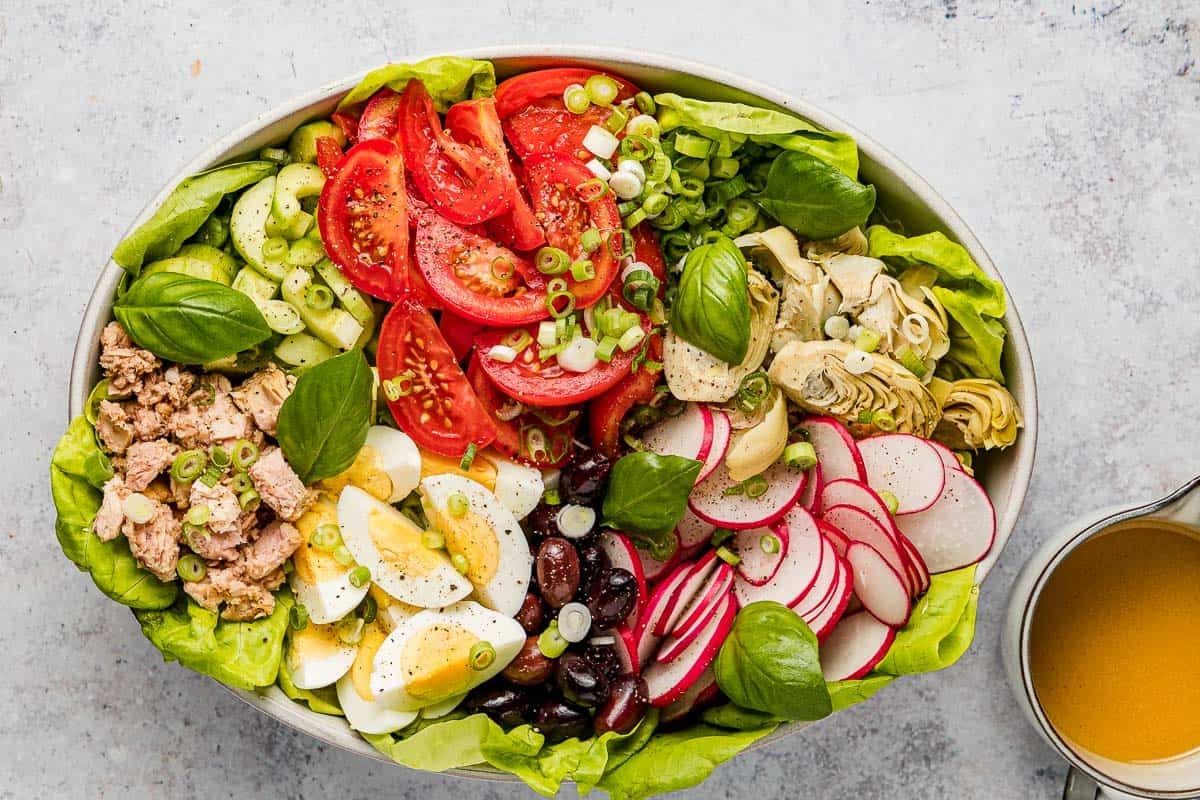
1067, 136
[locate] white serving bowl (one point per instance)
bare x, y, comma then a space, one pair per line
903, 194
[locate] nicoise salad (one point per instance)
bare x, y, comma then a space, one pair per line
554, 425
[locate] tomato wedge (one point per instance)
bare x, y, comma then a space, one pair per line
463, 182
646, 250
536, 436
514, 94
477, 278
347, 120
537, 121
379, 118
459, 333
363, 215
545, 383
329, 154
606, 412
553, 181
426, 390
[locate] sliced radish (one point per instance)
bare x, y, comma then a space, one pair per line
846, 492
621, 553
857, 644
667, 682
855, 605
883, 591
722, 432
917, 564
907, 466
758, 566
656, 608
799, 569
823, 621
625, 643
688, 434
810, 498
699, 692
957, 530
949, 460
837, 452
653, 569
688, 590
692, 530
859, 526
835, 537
710, 502
820, 590
705, 601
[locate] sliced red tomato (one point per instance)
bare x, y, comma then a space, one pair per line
379, 118
363, 214
544, 383
463, 182
553, 181
647, 250
459, 333
537, 121
477, 278
606, 412
519, 91
426, 390
541, 437
347, 120
329, 153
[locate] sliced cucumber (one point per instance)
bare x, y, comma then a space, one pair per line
223, 261
294, 183
305, 252
281, 316
302, 350
203, 268
303, 144
255, 285
334, 326
247, 227
354, 301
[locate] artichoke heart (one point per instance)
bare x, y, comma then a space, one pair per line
697, 376
976, 413
755, 449
853, 242
813, 375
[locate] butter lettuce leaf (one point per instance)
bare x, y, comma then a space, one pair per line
448, 79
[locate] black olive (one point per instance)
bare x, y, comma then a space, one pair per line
626, 704
579, 681
557, 569
530, 667
611, 597
592, 561
604, 659
558, 720
507, 705
540, 523
582, 481
532, 614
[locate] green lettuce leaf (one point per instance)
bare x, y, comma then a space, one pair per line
323, 700
78, 470
677, 760
445, 744
731, 124
736, 718
184, 211
448, 79
244, 655
976, 342
848, 693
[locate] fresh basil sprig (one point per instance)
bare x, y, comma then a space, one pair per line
323, 423
189, 320
647, 495
813, 198
712, 306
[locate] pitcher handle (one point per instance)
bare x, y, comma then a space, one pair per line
1080, 787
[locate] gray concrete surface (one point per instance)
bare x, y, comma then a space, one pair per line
1066, 135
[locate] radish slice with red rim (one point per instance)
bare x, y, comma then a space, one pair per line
949, 460
855, 647
907, 466
837, 452
825, 618
667, 682
919, 572
657, 606
810, 498
883, 591
692, 530
719, 583
687, 590
625, 645
703, 690
725, 503
845, 492
859, 526
722, 432
761, 551
688, 434
811, 601
835, 537
652, 568
800, 568
957, 530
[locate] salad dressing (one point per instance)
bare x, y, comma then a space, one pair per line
1113, 643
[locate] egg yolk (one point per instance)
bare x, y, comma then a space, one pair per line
481, 471
364, 661
399, 543
473, 537
313, 643
366, 473
385, 602
313, 564
435, 661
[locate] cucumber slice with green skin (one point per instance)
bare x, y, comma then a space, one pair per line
248, 228
305, 252
354, 301
333, 326
300, 350
255, 285
294, 183
303, 144
223, 261
297, 229
201, 268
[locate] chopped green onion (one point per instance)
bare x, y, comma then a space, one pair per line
592, 189
754, 389
620, 244
692, 146
965, 457
884, 421
551, 642
720, 536
718, 194
481, 656
369, 609
219, 456
615, 123
691, 188
398, 386
576, 99
631, 339
298, 617
460, 563
275, 248
890, 500
722, 168
211, 476
606, 348
837, 327
502, 353
188, 465
360, 577
728, 556
639, 148
560, 304
433, 539
241, 482
626, 208
552, 260
645, 102
547, 333
342, 555
756, 486
583, 270
468, 457
249, 500
326, 537
659, 169
602, 90
198, 515
912, 362
590, 240
643, 125
318, 297
350, 630
740, 216
868, 340
800, 455
769, 544
458, 504
276, 155
191, 568
655, 204
502, 268
245, 453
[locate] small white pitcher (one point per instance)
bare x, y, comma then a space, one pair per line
1092, 776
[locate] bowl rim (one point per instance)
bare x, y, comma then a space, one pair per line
98, 309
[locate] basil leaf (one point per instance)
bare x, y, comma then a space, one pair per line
648, 493
813, 198
323, 423
189, 320
712, 306
769, 663
448, 79
184, 211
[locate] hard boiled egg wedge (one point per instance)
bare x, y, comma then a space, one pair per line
481, 529
437, 655
319, 581
438, 710
388, 467
517, 486
317, 657
392, 547
365, 712
389, 611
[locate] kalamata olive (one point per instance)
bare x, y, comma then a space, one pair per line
579, 681
604, 659
541, 523
530, 667
626, 704
507, 705
558, 720
611, 597
532, 614
592, 561
557, 571
582, 481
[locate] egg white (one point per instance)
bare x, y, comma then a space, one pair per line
398, 457
518, 487
331, 596
369, 716
317, 657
